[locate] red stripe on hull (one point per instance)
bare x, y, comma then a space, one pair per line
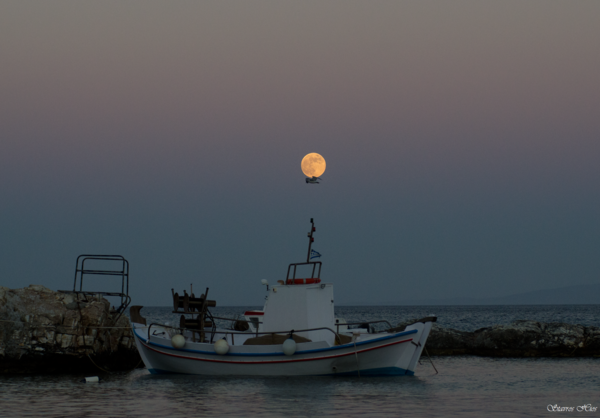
275, 361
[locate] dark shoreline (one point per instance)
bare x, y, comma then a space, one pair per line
521, 339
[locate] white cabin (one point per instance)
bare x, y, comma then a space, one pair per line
300, 306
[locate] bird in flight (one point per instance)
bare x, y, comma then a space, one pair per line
312, 180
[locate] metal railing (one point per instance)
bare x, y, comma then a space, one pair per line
228, 332
361, 323
256, 333
314, 264
81, 271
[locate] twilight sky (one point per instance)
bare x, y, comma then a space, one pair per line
462, 142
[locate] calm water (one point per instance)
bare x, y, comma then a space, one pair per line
465, 386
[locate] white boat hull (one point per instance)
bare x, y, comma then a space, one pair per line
379, 354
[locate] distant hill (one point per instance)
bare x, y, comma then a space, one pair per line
586, 294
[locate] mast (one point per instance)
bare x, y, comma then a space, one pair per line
310, 239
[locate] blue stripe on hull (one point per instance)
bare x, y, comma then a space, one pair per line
159, 371
382, 371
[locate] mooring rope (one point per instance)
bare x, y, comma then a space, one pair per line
356, 354
54, 326
436, 370
106, 371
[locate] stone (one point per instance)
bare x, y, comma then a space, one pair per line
521, 338
45, 331
66, 340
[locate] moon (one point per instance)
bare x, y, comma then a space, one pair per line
313, 165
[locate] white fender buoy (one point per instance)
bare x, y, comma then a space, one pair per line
91, 379
221, 347
289, 347
178, 341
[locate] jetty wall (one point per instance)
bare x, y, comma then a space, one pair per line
522, 338
43, 331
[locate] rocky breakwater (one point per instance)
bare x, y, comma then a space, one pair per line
518, 339
42, 331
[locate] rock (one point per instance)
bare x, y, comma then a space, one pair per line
448, 341
42, 331
518, 339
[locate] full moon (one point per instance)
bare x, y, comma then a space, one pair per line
313, 165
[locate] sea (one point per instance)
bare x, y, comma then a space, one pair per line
463, 386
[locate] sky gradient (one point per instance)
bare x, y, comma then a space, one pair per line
462, 142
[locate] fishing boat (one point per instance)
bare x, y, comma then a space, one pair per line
296, 333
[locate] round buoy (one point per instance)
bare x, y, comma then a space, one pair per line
289, 347
221, 347
178, 341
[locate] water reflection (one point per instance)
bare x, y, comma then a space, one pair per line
466, 386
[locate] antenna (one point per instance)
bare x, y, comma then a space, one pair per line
310, 238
